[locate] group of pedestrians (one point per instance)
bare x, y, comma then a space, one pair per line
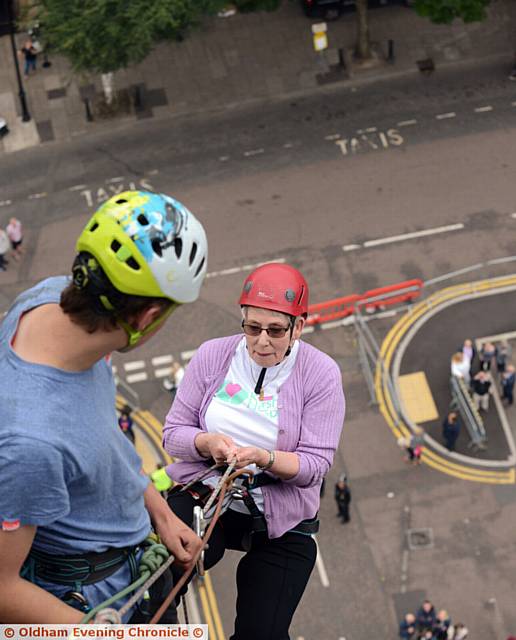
11, 239
427, 624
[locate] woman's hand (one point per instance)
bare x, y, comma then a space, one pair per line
217, 446
251, 455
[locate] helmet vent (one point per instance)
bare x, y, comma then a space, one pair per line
156, 247
131, 262
115, 246
94, 226
199, 268
121, 201
178, 246
193, 253
142, 219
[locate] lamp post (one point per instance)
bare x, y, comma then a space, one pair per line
21, 92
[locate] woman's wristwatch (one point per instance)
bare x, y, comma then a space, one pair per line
272, 457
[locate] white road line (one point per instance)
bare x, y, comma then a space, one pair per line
414, 234
513, 104
288, 145
247, 267
333, 136
502, 260
37, 196
188, 355
159, 360
77, 187
133, 366
452, 274
320, 566
137, 377
163, 373
406, 123
253, 152
444, 116
483, 109
153, 172
117, 179
513, 215
224, 158
351, 247
5, 203
371, 130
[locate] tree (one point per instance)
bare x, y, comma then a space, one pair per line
103, 36
445, 11
363, 48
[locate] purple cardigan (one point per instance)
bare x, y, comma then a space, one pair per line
310, 418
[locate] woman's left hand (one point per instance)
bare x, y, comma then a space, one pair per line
246, 456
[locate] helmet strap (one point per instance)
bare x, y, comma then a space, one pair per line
292, 325
135, 336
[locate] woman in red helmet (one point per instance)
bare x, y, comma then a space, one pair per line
275, 405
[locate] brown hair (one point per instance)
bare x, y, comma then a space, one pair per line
81, 307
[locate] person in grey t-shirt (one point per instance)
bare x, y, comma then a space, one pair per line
72, 484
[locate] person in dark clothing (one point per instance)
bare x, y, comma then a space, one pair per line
408, 627
426, 617
125, 422
488, 352
342, 498
481, 385
451, 430
31, 55
508, 379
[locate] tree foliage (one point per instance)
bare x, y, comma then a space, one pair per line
106, 35
445, 11
256, 5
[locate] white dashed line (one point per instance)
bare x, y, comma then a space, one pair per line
253, 152
77, 187
333, 136
5, 203
513, 215
371, 130
224, 158
163, 373
136, 364
414, 234
483, 109
513, 104
350, 247
137, 377
320, 566
288, 145
407, 123
117, 179
246, 267
187, 355
444, 116
37, 196
153, 172
159, 360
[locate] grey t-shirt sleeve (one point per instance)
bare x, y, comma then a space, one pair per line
32, 480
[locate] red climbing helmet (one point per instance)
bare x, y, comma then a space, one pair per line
278, 287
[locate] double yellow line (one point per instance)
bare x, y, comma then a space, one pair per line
386, 405
152, 428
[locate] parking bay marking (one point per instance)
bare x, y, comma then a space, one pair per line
364, 142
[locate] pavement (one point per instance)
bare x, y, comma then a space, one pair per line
243, 59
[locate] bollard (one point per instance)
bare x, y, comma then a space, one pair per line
342, 61
390, 54
137, 98
89, 117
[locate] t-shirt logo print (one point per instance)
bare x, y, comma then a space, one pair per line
10, 525
231, 392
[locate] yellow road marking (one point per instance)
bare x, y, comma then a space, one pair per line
417, 398
201, 587
214, 608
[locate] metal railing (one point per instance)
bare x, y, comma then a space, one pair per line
463, 403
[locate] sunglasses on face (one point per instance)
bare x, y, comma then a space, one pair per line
256, 329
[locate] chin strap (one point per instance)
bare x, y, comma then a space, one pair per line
259, 382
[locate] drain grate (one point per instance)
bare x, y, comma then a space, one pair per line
420, 539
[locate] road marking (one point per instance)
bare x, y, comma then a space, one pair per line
5, 203
483, 109
77, 187
159, 360
288, 145
137, 377
350, 247
513, 215
452, 274
502, 260
153, 172
224, 158
37, 196
188, 355
320, 566
371, 130
407, 123
333, 136
134, 365
246, 267
414, 234
163, 373
444, 116
513, 104
117, 179
253, 152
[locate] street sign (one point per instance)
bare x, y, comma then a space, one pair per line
319, 36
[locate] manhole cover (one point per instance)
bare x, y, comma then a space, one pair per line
420, 539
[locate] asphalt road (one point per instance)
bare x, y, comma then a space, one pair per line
309, 181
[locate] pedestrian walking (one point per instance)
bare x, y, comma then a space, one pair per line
30, 54
425, 617
487, 354
442, 625
458, 632
461, 366
14, 231
343, 499
451, 430
177, 373
408, 627
125, 422
4, 248
508, 379
469, 351
503, 354
481, 388
417, 441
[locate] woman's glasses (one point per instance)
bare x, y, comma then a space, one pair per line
255, 330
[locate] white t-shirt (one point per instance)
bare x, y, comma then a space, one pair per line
14, 231
237, 411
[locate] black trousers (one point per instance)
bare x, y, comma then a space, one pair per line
271, 577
